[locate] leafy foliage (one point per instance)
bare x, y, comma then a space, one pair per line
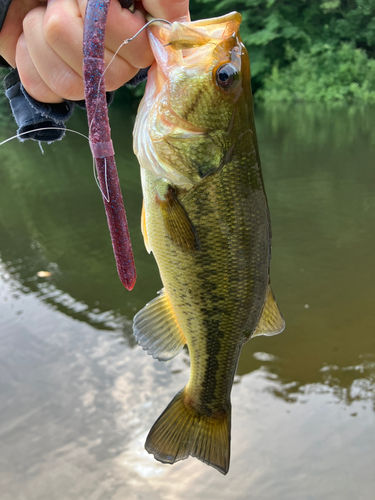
271, 29
323, 74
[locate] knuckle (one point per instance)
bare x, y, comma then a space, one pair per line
67, 84
29, 82
53, 28
145, 59
38, 89
119, 76
30, 21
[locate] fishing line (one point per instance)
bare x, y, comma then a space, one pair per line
107, 198
128, 40
106, 181
41, 129
74, 132
125, 42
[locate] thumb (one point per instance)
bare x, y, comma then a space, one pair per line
176, 10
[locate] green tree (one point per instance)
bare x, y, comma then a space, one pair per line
272, 27
323, 74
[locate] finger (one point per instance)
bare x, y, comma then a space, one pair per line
63, 31
62, 27
29, 76
12, 28
117, 72
53, 70
121, 25
172, 10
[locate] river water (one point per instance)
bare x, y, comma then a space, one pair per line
78, 396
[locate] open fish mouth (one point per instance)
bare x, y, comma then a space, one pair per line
190, 44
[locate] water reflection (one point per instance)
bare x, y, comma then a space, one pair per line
345, 384
77, 396
319, 125
52, 218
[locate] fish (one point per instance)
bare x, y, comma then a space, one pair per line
205, 218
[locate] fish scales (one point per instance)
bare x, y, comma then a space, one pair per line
206, 220
220, 280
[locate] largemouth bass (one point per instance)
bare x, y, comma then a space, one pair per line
206, 220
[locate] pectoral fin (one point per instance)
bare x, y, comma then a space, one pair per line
144, 229
156, 330
271, 321
177, 223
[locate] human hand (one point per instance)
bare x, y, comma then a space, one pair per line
44, 40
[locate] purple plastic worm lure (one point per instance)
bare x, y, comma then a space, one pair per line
100, 138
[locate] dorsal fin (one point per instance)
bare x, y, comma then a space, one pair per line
271, 321
156, 330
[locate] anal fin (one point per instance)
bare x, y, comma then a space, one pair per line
156, 330
271, 321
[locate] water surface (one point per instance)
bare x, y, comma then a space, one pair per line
77, 396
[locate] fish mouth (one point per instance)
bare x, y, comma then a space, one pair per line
190, 43
186, 35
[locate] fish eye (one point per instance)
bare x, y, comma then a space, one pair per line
226, 76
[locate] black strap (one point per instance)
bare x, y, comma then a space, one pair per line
4, 63
11, 79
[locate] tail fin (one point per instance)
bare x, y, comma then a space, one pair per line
181, 431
